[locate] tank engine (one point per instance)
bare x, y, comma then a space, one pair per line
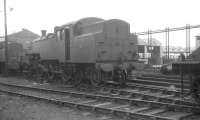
91, 49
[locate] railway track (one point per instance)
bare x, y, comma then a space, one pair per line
160, 81
159, 75
129, 103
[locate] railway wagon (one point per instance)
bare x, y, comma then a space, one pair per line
15, 51
91, 48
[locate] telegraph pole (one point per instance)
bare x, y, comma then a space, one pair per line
6, 40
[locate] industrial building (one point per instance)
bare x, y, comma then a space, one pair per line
150, 54
24, 37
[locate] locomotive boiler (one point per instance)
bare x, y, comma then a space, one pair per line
89, 49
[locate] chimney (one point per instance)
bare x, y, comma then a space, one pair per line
44, 32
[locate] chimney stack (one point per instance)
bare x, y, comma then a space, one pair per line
44, 32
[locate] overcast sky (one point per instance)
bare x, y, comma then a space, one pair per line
141, 14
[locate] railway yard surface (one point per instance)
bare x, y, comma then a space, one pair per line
20, 108
22, 99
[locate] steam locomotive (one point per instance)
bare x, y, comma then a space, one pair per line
89, 50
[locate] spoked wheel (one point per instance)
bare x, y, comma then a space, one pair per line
28, 74
57, 77
78, 77
45, 76
96, 78
39, 76
66, 78
51, 77
34, 75
124, 77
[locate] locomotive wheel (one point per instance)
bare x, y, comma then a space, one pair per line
39, 76
51, 77
57, 78
124, 76
65, 78
45, 76
62, 78
28, 74
78, 78
96, 78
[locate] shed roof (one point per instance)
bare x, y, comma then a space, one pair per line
22, 36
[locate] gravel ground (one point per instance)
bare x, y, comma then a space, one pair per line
20, 108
